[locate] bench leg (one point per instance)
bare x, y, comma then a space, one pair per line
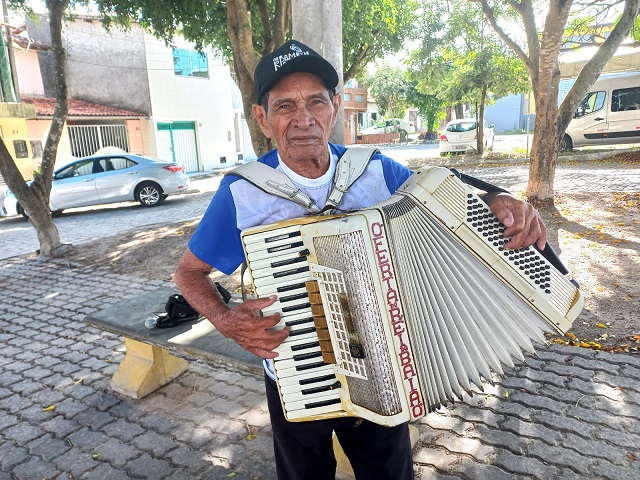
145, 368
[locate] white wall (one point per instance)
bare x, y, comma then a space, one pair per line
205, 101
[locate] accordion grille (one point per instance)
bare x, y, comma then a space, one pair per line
347, 253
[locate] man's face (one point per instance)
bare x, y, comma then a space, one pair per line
300, 117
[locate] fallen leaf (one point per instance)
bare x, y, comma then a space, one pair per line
50, 408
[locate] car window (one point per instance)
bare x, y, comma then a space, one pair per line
461, 127
77, 169
625, 99
116, 163
592, 102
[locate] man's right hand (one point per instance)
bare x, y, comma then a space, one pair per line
241, 323
244, 324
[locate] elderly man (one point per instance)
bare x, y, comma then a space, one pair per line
297, 108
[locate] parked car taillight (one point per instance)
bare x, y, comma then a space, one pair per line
443, 137
174, 168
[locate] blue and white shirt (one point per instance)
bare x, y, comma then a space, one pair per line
238, 204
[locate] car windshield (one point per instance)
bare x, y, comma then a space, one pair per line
461, 127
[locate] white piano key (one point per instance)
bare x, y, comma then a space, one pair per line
310, 412
272, 261
308, 404
305, 376
283, 372
301, 382
311, 392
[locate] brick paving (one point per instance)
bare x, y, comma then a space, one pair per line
567, 413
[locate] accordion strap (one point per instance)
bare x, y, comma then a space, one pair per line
275, 183
349, 168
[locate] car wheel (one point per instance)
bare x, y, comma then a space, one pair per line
566, 144
149, 194
22, 212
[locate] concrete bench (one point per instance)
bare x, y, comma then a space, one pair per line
148, 363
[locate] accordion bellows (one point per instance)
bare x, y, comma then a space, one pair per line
401, 308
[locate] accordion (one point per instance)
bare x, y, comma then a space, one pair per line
398, 309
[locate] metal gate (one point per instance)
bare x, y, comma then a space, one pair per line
88, 139
176, 142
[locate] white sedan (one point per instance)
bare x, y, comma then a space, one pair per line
460, 136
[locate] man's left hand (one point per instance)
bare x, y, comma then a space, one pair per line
523, 222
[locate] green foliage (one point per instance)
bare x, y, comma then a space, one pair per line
430, 107
371, 28
389, 86
460, 57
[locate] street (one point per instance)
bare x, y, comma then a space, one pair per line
78, 225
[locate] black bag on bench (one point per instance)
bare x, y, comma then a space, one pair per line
178, 310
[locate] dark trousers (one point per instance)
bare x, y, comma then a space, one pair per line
304, 451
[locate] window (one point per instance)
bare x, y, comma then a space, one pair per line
359, 98
592, 102
347, 97
188, 63
116, 163
461, 127
625, 99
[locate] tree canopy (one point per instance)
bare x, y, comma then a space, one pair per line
243, 32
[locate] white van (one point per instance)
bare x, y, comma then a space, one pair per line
609, 114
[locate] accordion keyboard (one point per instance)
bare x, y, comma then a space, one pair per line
279, 266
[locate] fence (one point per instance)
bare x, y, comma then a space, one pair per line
88, 139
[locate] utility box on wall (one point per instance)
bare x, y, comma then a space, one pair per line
20, 147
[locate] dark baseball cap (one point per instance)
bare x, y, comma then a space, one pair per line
292, 57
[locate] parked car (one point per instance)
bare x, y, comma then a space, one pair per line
459, 136
389, 126
111, 178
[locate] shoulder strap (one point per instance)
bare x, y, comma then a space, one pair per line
275, 183
350, 167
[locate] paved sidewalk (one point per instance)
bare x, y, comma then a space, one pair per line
569, 413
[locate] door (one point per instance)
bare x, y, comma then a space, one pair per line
589, 126
177, 143
117, 181
75, 185
624, 118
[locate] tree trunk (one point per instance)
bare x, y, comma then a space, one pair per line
480, 144
245, 58
34, 199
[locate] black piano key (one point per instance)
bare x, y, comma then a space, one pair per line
292, 271
293, 308
306, 356
325, 388
282, 237
300, 321
286, 246
309, 381
295, 296
302, 331
304, 346
309, 366
288, 288
289, 261
323, 403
